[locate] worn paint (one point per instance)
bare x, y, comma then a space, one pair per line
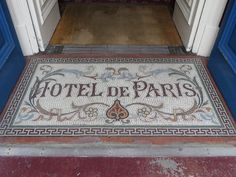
169, 167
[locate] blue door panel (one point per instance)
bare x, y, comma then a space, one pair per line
8, 44
232, 41
225, 79
222, 62
11, 59
226, 37
2, 41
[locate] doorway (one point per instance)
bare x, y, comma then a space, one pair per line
116, 23
141, 24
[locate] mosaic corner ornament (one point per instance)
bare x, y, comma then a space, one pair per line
80, 97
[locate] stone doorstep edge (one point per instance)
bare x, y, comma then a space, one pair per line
117, 150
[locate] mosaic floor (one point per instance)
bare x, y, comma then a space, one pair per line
116, 97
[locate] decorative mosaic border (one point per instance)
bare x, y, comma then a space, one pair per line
6, 128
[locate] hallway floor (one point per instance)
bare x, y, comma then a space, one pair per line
119, 24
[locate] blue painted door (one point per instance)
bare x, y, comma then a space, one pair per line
222, 62
11, 58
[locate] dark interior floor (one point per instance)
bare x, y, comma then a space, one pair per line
116, 24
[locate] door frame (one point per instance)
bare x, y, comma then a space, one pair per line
45, 15
209, 26
22, 21
27, 25
198, 23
